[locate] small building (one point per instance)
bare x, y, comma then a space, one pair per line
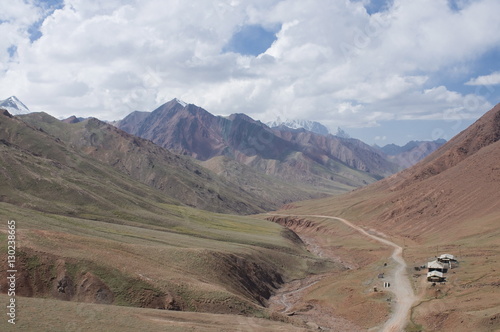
436, 266
446, 258
435, 276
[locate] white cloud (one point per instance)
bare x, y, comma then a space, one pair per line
492, 79
15, 19
331, 60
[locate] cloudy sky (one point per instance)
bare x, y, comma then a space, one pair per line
384, 70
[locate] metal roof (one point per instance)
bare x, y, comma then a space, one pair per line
435, 265
447, 256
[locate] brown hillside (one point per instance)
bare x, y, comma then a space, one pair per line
467, 190
482, 133
458, 182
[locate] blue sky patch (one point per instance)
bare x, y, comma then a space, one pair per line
12, 50
458, 5
34, 30
251, 40
48, 7
376, 6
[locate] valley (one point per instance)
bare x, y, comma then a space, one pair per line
108, 223
250, 166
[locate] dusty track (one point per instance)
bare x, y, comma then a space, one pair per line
405, 297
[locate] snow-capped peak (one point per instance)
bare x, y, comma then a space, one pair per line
313, 126
14, 106
180, 102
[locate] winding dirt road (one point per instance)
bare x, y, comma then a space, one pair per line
401, 287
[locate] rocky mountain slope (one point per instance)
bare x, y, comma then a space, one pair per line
351, 152
328, 163
73, 119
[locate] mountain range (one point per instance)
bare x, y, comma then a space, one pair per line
294, 164
326, 163
437, 192
308, 125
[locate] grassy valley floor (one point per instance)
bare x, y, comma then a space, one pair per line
187, 260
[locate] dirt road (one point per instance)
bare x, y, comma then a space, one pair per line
401, 287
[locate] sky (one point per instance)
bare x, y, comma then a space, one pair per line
386, 71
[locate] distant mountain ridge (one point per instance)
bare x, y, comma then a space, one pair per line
140, 161
176, 176
412, 152
309, 125
73, 119
393, 149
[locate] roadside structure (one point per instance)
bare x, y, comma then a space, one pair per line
436, 266
435, 276
446, 258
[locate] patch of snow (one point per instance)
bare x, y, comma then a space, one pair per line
313, 126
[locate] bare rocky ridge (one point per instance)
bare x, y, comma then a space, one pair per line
73, 119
